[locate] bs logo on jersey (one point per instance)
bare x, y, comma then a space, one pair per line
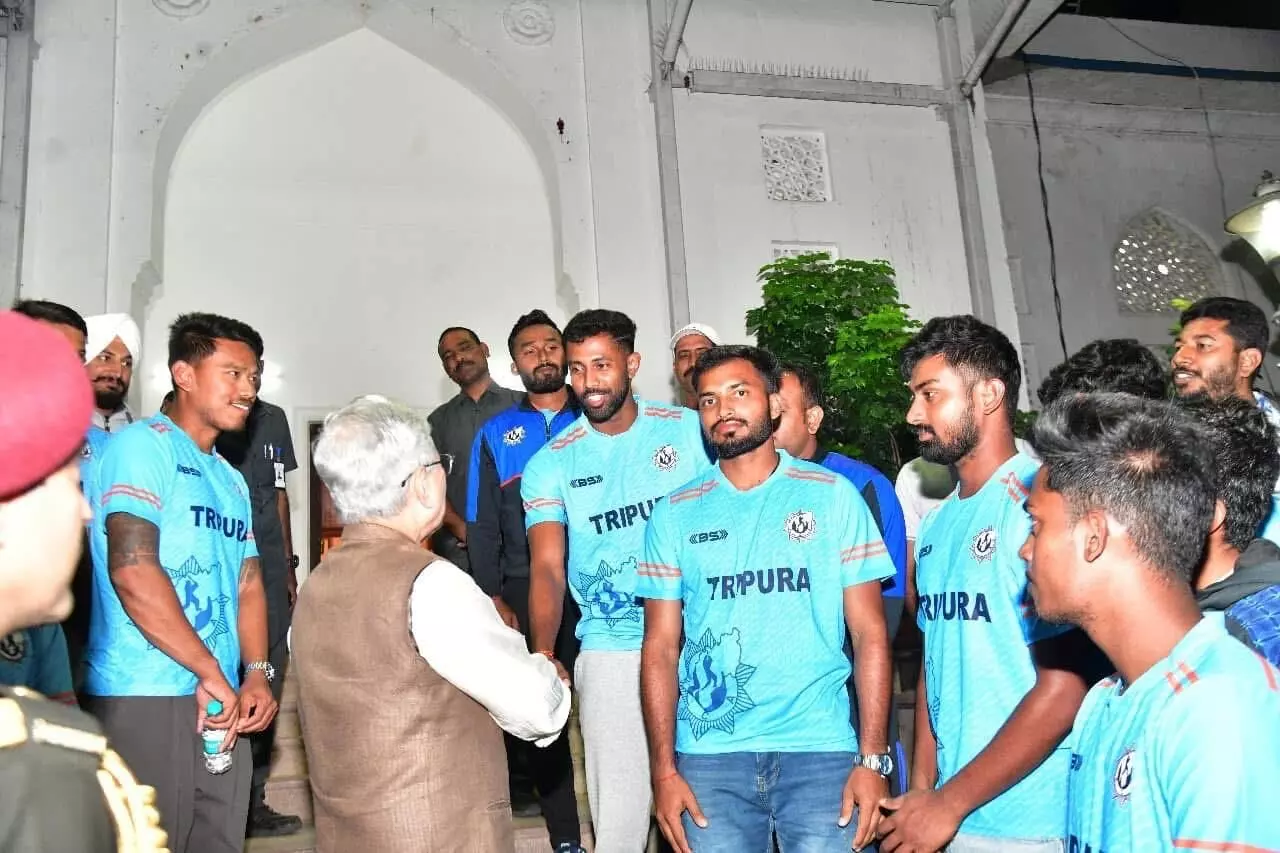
665, 458
800, 526
513, 436
983, 547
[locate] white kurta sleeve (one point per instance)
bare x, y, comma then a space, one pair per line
459, 633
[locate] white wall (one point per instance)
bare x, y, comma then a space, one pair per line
1106, 164
893, 198
350, 204
857, 39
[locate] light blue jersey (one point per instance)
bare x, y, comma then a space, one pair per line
762, 575
602, 488
154, 471
36, 658
1186, 758
95, 443
978, 623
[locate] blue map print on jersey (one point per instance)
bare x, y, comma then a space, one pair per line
714, 683
207, 617
935, 703
601, 597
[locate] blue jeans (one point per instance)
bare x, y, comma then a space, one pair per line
748, 796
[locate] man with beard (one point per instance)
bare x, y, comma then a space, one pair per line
499, 546
454, 425
995, 698
1176, 750
112, 347
687, 346
1218, 353
796, 432
765, 565
587, 496
179, 605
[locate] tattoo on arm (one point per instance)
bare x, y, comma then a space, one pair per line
249, 570
131, 541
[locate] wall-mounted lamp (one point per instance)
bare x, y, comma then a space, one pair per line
1259, 221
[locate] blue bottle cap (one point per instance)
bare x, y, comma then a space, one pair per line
214, 708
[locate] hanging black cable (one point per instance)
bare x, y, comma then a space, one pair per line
1044, 205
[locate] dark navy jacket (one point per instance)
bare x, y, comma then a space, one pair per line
496, 540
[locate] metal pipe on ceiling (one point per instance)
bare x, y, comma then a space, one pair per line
1008, 18
675, 31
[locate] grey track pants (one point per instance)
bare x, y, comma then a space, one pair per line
608, 685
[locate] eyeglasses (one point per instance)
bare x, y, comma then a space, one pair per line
445, 461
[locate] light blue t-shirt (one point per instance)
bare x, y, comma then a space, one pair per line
761, 574
36, 658
95, 442
978, 623
1186, 758
603, 488
153, 470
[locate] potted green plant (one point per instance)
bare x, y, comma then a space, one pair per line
842, 318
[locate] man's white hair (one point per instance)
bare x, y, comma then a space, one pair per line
365, 452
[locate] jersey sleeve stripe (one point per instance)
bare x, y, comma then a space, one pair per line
564, 441
539, 503
131, 492
1223, 846
814, 476
1188, 673
1269, 670
695, 492
862, 552
670, 414
657, 570
508, 481
1016, 488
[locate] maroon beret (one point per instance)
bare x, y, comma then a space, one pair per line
46, 403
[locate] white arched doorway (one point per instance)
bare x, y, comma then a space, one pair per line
349, 204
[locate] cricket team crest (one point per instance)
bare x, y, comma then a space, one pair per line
1122, 781
606, 594
207, 614
800, 526
13, 647
665, 458
513, 436
713, 683
983, 546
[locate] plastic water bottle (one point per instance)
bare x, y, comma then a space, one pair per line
215, 761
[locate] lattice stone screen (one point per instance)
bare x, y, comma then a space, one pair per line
795, 165
791, 250
1157, 260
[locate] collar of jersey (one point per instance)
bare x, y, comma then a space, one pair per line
993, 481
182, 434
640, 416
1201, 634
785, 461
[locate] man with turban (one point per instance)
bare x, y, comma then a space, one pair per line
112, 347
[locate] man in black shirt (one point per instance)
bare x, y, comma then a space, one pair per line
263, 453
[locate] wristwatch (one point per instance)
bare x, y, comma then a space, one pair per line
263, 666
294, 561
882, 764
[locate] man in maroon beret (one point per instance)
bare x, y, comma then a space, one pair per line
56, 771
